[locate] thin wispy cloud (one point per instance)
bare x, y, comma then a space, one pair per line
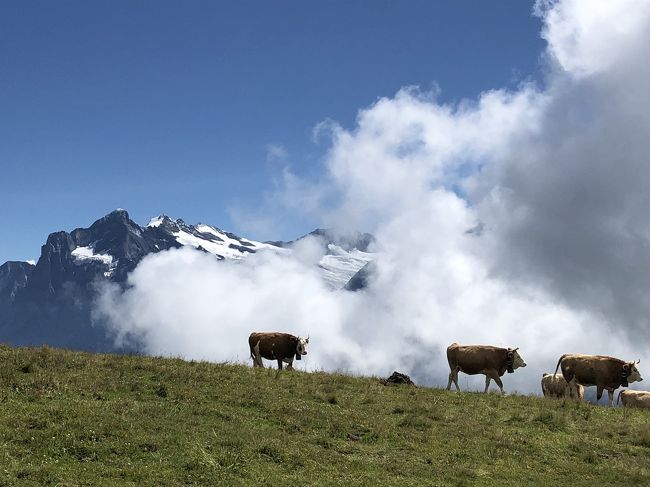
276, 153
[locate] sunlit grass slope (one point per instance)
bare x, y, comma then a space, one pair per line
69, 418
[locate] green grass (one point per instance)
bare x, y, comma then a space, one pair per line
70, 418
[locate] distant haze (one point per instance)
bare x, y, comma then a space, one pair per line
516, 219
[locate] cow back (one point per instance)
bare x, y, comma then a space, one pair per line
593, 370
554, 385
476, 359
273, 345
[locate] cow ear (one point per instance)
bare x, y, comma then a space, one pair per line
626, 370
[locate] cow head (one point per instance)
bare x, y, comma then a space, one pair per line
301, 347
514, 360
631, 373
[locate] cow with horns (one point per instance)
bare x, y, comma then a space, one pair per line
490, 361
282, 347
606, 373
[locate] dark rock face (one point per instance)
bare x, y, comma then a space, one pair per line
362, 278
348, 242
51, 302
13, 277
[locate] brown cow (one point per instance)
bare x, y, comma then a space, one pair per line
493, 362
554, 385
282, 347
606, 373
634, 399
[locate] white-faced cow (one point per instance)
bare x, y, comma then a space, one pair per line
634, 399
282, 347
606, 373
554, 385
490, 361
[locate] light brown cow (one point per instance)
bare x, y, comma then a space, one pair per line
634, 399
554, 385
606, 373
490, 361
282, 347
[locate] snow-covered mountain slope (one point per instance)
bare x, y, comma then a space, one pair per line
224, 245
341, 258
52, 302
339, 265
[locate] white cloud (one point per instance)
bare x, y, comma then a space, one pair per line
554, 178
585, 38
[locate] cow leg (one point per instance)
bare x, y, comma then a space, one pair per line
453, 377
610, 396
279, 364
290, 365
573, 389
497, 379
493, 375
487, 382
257, 357
599, 392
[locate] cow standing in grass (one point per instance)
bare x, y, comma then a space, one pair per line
282, 347
554, 385
606, 373
490, 361
634, 399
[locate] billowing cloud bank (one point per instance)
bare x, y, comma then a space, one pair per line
519, 219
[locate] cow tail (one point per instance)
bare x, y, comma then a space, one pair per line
558, 363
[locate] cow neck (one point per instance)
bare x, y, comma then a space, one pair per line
509, 360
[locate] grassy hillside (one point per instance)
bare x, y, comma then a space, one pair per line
69, 418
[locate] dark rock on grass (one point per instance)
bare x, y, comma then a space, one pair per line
398, 378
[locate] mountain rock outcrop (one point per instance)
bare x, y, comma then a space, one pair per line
51, 302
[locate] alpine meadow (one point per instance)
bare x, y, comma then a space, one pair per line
325, 243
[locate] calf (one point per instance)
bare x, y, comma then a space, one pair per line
490, 361
606, 373
634, 399
282, 347
554, 385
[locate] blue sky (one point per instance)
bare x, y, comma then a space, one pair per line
171, 106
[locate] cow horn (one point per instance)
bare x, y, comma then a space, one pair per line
514, 350
638, 361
